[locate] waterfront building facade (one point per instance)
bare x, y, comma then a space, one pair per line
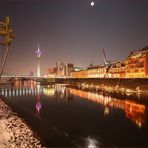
79, 74
135, 66
60, 66
62, 70
69, 67
51, 73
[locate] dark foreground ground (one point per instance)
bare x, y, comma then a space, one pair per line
14, 132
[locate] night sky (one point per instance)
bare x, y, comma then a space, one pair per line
73, 31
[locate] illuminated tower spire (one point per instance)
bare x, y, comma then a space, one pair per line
38, 53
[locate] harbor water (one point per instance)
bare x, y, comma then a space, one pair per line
70, 117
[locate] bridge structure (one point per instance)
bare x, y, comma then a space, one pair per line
10, 79
21, 77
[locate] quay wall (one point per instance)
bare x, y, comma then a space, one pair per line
122, 83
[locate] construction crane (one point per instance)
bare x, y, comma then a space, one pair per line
6, 36
108, 64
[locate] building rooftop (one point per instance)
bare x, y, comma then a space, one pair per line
138, 53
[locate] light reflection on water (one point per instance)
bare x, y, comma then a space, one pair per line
134, 112
92, 143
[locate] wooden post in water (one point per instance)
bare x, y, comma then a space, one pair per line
6, 36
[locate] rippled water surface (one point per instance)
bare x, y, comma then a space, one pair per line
70, 117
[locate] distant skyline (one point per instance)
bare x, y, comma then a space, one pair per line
73, 31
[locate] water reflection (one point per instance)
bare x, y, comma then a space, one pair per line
38, 103
106, 110
49, 91
62, 93
20, 89
137, 113
92, 143
8, 92
71, 113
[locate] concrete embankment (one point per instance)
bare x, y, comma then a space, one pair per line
14, 132
127, 85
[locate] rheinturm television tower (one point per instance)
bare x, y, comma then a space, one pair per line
38, 53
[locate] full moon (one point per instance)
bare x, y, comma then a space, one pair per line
92, 3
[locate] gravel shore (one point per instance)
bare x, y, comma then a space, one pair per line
14, 132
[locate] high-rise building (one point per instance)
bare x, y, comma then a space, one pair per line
51, 73
69, 67
64, 69
38, 53
60, 69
